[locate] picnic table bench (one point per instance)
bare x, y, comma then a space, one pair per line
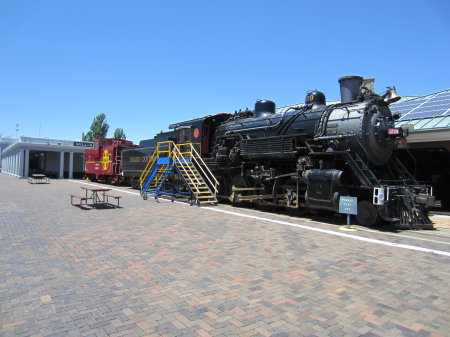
38, 179
78, 197
117, 197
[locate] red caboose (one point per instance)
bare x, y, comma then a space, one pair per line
104, 162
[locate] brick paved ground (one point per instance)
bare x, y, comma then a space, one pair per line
169, 269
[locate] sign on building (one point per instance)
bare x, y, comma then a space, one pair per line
83, 144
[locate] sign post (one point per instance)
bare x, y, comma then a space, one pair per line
348, 205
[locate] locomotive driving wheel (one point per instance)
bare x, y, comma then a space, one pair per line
367, 213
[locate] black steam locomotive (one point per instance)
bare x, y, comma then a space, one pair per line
306, 157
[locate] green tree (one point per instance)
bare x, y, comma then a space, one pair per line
119, 134
99, 128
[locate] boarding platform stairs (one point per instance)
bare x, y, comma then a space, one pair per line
177, 170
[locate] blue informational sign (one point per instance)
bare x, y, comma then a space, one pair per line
348, 205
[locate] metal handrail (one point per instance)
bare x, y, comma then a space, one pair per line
177, 155
160, 145
189, 145
208, 174
151, 162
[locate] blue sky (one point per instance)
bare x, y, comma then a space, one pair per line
147, 64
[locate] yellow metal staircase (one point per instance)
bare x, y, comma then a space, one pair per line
196, 175
183, 163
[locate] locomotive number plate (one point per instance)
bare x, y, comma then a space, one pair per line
395, 131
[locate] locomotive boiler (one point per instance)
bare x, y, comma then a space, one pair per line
307, 157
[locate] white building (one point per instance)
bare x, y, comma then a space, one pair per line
52, 157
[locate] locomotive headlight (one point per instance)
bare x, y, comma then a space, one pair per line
381, 195
378, 196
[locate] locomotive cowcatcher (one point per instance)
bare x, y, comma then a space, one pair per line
104, 161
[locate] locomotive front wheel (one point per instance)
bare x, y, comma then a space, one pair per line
367, 213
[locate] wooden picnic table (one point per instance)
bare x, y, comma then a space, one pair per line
97, 195
37, 178
92, 193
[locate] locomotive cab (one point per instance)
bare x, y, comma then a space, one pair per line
199, 131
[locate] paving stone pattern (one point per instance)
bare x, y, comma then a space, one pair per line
163, 269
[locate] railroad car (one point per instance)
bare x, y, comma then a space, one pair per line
104, 161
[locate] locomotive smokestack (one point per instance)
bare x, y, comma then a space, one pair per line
350, 87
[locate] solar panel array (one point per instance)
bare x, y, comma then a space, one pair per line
429, 123
434, 105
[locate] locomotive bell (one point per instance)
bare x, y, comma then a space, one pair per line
392, 95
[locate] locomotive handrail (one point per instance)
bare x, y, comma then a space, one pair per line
360, 145
323, 120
